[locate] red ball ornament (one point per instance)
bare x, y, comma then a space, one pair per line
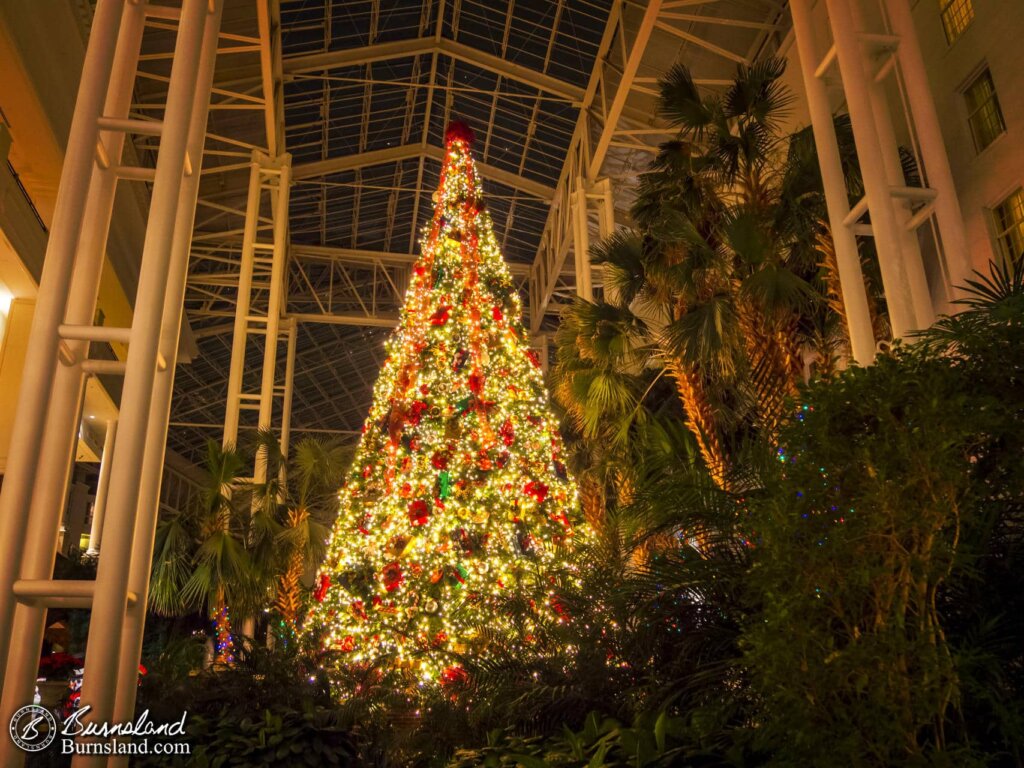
416, 411
558, 607
440, 317
537, 489
496, 314
419, 513
454, 677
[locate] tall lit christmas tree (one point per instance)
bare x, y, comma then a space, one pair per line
458, 492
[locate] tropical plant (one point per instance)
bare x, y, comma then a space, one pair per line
617, 407
888, 552
200, 559
248, 545
296, 506
269, 708
729, 278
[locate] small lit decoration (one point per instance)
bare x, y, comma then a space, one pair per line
458, 492
224, 644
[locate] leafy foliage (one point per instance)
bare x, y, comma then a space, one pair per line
270, 708
884, 538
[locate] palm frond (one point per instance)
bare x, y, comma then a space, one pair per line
681, 102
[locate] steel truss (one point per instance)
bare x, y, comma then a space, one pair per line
610, 120
262, 261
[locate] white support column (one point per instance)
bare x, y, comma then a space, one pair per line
40, 364
160, 407
273, 174
939, 177
888, 237
238, 337
274, 308
111, 598
99, 507
279, 174
47, 412
902, 206
581, 241
606, 210
851, 278
910, 248
289, 388
58, 363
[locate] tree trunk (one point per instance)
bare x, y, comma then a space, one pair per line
776, 365
224, 643
700, 417
591, 499
288, 601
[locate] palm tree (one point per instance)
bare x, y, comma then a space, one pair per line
295, 509
613, 397
200, 559
729, 267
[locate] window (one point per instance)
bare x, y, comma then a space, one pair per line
1009, 221
957, 15
983, 112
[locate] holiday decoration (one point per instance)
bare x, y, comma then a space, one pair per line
458, 494
223, 642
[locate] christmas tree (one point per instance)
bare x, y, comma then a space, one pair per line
458, 493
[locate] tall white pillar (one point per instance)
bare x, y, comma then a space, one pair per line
111, 600
274, 308
289, 387
948, 215
160, 406
851, 277
886, 229
99, 507
238, 335
910, 247
581, 241
41, 361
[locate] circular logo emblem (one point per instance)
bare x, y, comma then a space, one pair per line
33, 728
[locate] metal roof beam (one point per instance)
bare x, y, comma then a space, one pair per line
408, 152
369, 258
357, 160
318, 62
374, 320
268, 16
